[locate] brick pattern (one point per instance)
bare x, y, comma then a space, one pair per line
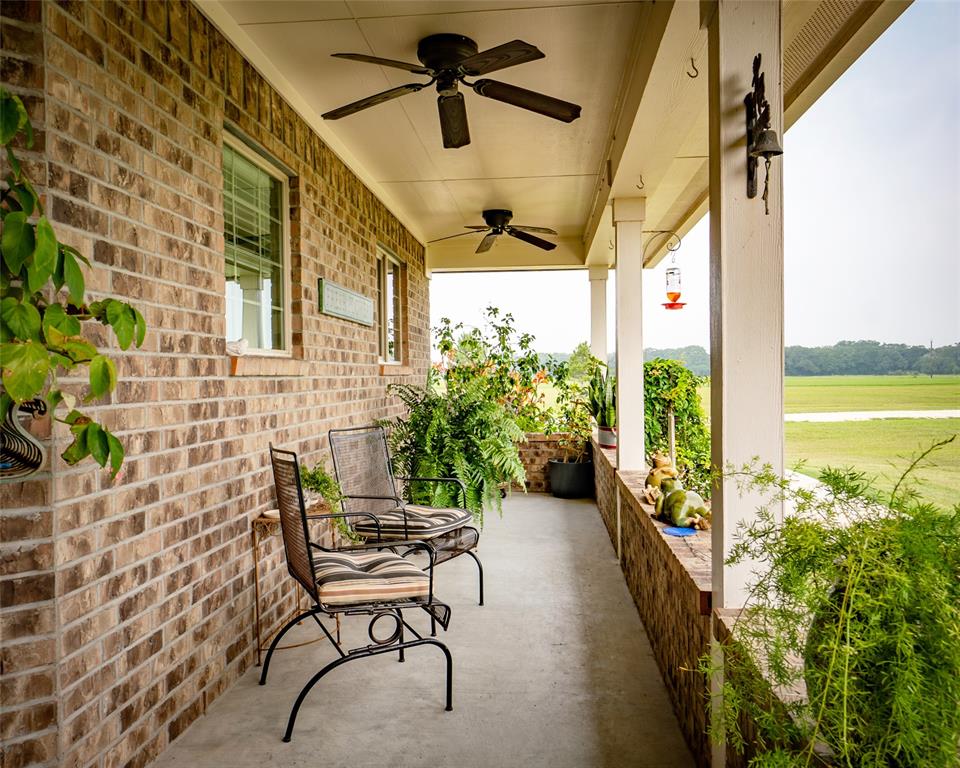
670, 581
137, 612
605, 487
29, 651
536, 454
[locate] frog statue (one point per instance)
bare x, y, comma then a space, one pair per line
662, 468
674, 504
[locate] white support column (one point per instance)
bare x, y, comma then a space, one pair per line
746, 275
598, 311
628, 217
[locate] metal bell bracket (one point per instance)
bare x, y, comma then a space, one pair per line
762, 140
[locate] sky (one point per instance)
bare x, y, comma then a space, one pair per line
871, 217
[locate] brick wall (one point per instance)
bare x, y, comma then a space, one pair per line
670, 581
535, 454
605, 487
127, 607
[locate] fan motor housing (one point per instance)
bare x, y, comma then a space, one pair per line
497, 218
445, 51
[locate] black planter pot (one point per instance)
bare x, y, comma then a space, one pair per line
571, 480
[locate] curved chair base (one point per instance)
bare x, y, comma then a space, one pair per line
288, 626
361, 654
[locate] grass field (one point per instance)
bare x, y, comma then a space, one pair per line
821, 394
881, 447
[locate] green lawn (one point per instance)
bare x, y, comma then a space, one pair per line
880, 447
818, 394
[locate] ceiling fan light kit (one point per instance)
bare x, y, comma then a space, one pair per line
448, 60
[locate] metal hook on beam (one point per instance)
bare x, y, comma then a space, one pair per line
696, 72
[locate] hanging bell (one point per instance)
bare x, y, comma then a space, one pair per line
767, 145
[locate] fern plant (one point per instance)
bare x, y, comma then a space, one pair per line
460, 432
859, 603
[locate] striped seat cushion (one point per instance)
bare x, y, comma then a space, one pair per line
422, 522
368, 577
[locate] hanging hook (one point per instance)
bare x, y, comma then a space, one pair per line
696, 72
641, 185
674, 241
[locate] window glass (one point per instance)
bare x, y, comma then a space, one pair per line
390, 309
253, 245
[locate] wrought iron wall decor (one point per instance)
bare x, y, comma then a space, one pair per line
762, 140
21, 454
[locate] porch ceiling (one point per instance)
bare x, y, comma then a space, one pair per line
643, 129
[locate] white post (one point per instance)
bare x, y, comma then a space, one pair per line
598, 311
628, 218
746, 275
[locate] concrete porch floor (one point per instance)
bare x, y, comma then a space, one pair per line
555, 670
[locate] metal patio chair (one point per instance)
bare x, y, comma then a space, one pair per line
365, 579
361, 462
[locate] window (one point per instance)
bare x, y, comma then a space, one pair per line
255, 228
390, 308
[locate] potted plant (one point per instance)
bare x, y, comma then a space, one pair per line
602, 402
572, 476
859, 605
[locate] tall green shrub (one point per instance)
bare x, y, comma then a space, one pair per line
855, 594
668, 384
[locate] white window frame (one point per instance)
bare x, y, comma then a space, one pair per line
264, 163
389, 260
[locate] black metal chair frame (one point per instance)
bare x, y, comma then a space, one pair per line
394, 641
437, 556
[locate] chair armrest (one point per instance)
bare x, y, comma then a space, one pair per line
333, 515
456, 480
385, 498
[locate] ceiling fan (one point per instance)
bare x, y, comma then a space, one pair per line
498, 223
448, 60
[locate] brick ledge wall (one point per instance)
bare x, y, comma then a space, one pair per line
670, 581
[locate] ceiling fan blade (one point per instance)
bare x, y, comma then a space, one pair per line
372, 101
487, 243
535, 102
450, 237
418, 69
532, 239
453, 121
503, 56
539, 230
477, 227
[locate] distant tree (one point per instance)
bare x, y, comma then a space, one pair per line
940, 361
581, 362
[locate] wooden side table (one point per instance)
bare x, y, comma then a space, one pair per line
268, 524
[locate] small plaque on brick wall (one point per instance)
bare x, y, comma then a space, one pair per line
343, 303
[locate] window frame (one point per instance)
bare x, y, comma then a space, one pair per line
276, 171
389, 260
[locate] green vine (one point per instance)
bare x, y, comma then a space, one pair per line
670, 385
43, 308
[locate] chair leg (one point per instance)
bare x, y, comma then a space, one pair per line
291, 721
276, 640
480, 569
400, 616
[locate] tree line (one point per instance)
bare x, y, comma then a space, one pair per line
845, 358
